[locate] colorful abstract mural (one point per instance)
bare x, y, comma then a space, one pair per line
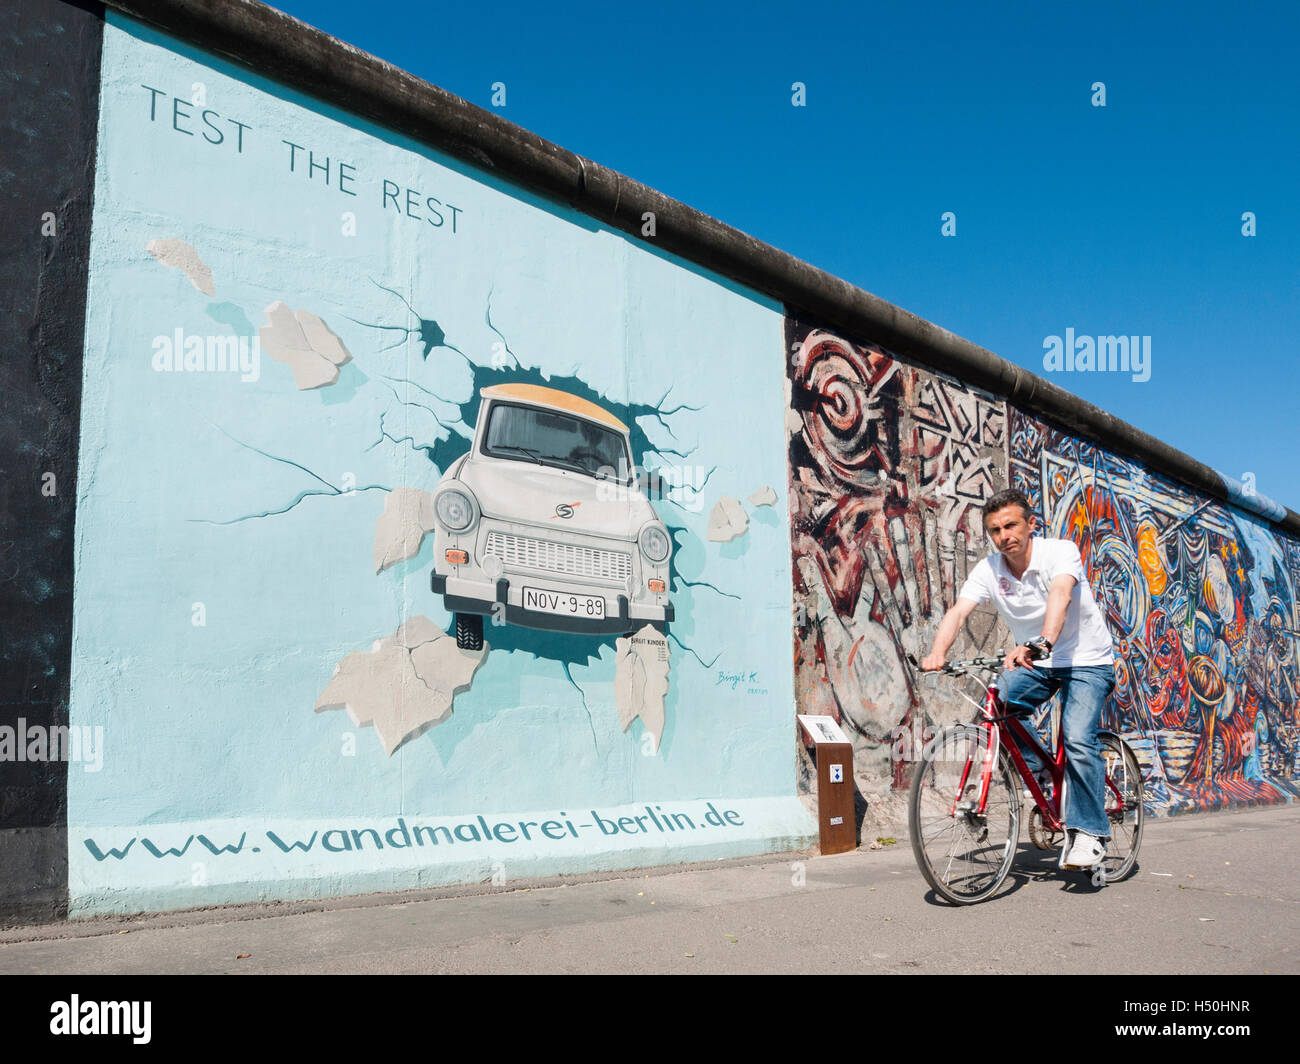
889, 466
1201, 602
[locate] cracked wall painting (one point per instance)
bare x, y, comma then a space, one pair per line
889, 466
297, 325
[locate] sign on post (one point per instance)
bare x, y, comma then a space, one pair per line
834, 754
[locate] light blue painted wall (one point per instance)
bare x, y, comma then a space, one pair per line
216, 722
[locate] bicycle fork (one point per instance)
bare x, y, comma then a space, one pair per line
987, 765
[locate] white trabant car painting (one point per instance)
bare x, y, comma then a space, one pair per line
542, 524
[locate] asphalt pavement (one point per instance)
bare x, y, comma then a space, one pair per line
1216, 893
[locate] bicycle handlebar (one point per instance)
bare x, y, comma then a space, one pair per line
960, 668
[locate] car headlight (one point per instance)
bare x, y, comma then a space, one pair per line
654, 543
456, 509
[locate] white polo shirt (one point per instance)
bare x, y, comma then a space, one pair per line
1085, 639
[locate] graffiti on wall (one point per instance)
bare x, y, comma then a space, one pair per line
1201, 603
889, 466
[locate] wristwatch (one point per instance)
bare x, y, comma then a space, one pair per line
1042, 645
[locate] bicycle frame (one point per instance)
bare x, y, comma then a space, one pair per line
997, 721
1049, 807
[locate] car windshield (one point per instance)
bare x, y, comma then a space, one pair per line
549, 437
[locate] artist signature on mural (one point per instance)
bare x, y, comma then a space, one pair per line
733, 681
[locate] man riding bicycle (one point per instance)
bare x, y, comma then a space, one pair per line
1039, 589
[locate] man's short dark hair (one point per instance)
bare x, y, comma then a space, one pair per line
1009, 497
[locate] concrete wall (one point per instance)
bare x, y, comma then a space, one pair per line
256, 637
291, 317
47, 132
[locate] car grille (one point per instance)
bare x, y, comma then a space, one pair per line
530, 553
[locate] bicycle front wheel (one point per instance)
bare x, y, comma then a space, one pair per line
1123, 808
964, 854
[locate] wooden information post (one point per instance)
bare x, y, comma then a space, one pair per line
834, 754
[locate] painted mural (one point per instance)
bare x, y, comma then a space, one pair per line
889, 466
1201, 601
415, 543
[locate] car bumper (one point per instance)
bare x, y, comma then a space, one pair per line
468, 596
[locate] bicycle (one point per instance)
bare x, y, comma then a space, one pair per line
964, 805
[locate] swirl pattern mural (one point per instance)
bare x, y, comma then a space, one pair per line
888, 469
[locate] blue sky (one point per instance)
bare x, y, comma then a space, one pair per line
1123, 219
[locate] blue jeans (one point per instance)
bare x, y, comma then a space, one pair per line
1084, 690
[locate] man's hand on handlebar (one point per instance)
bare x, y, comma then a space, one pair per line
933, 661
1026, 654
1020, 656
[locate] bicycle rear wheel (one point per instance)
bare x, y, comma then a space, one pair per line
963, 854
1124, 808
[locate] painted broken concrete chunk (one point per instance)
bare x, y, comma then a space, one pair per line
321, 339
407, 516
411, 633
728, 520
405, 684
763, 496
641, 679
182, 256
304, 343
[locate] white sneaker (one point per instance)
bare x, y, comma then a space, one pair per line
1086, 851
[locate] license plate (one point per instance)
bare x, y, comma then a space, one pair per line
566, 605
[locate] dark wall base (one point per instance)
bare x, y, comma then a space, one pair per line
33, 875
49, 113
